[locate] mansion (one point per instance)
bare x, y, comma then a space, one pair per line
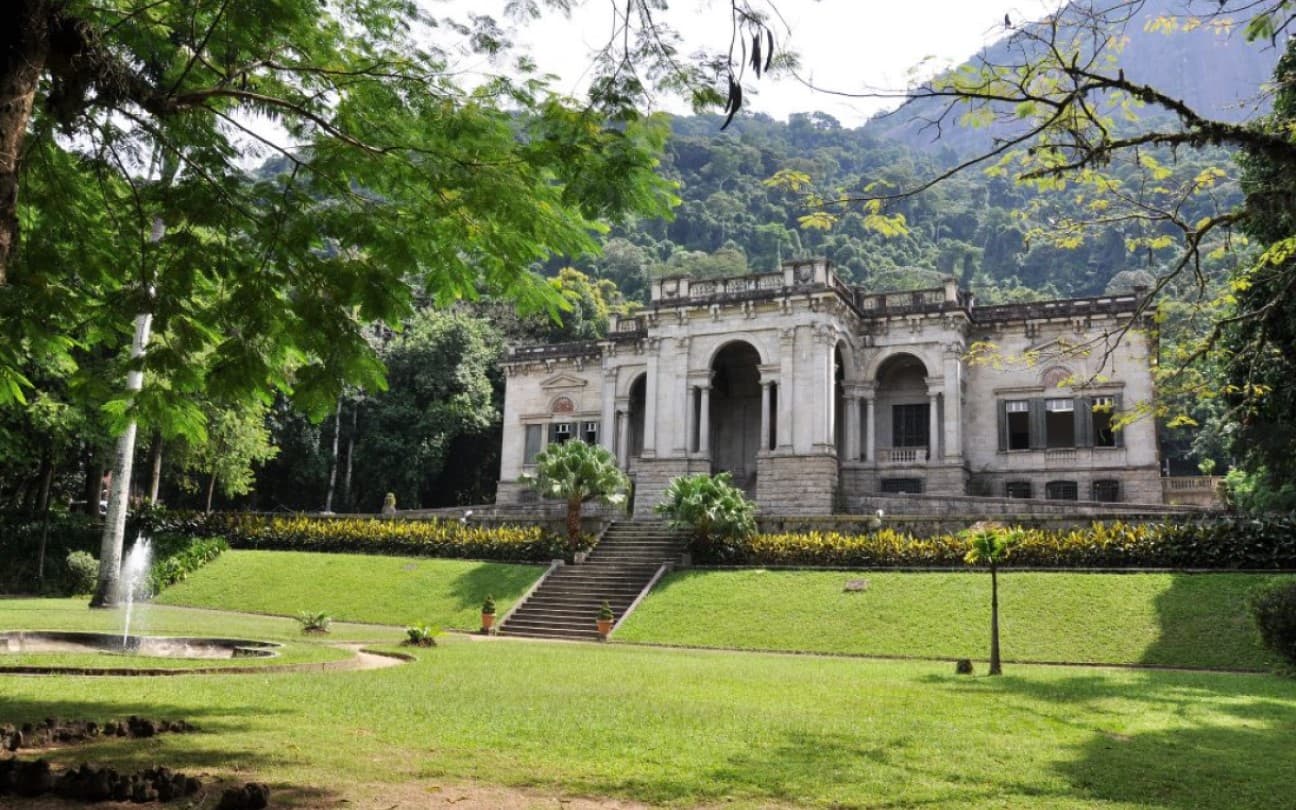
816, 395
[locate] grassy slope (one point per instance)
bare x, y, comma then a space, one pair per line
687, 726
356, 587
1159, 619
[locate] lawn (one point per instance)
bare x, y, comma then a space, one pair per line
355, 587
685, 727
1177, 620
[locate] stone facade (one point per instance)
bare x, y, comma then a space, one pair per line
819, 397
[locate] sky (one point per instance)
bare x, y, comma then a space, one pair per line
844, 45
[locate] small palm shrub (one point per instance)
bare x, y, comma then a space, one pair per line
717, 512
314, 621
577, 472
81, 571
421, 635
1273, 609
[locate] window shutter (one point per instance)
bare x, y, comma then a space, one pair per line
1003, 425
1118, 435
1083, 422
553, 433
1038, 428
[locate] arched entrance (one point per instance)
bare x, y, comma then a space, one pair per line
839, 404
736, 413
635, 431
903, 430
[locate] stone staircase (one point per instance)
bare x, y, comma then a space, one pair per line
621, 566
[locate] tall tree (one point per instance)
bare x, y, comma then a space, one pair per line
395, 183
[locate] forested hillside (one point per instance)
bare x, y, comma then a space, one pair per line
972, 226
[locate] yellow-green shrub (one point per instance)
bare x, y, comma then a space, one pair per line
431, 538
1230, 543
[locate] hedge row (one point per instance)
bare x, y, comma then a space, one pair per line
429, 538
1222, 544
176, 557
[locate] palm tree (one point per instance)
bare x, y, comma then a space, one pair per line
989, 543
578, 472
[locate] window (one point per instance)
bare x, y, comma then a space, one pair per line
1107, 491
590, 433
560, 432
1059, 423
909, 424
534, 433
1061, 491
1018, 489
897, 486
772, 439
1103, 412
1017, 416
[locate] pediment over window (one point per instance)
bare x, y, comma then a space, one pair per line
563, 381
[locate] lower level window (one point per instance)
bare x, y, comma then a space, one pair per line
1061, 491
1107, 491
534, 439
1018, 489
896, 486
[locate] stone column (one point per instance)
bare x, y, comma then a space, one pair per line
689, 399
786, 381
851, 445
954, 404
870, 428
934, 385
765, 415
704, 420
650, 402
607, 430
623, 437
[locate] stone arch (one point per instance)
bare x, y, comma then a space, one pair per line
735, 411
883, 358
764, 353
562, 404
1055, 377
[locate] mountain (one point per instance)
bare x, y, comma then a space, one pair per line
1212, 68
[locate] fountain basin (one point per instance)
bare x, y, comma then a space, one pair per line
58, 641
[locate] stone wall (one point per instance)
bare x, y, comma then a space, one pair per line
797, 484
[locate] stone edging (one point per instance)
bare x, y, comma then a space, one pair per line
341, 664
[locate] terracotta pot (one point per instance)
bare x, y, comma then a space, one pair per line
604, 627
488, 621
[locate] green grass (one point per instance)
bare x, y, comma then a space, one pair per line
685, 727
1176, 620
355, 587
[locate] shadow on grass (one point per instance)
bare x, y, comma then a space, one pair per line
505, 583
211, 747
1225, 743
1203, 622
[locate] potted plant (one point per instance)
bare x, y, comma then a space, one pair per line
605, 619
488, 614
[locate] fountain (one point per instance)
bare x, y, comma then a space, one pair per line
134, 581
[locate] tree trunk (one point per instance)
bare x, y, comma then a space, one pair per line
995, 668
333, 467
94, 471
24, 52
155, 466
114, 533
211, 490
43, 503
350, 455
573, 521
